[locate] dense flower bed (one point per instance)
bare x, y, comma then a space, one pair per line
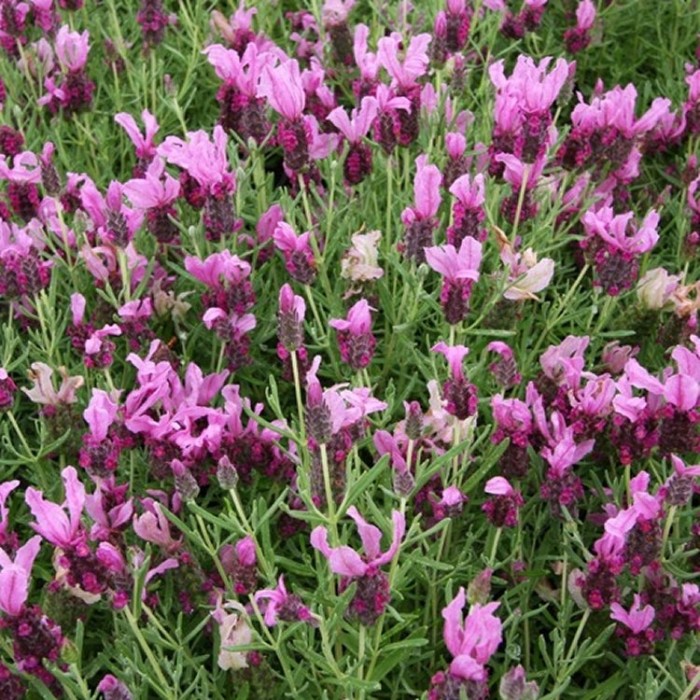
349, 351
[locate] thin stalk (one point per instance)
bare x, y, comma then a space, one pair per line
21, 437
494, 547
389, 207
133, 623
667, 527
574, 645
204, 534
300, 402
330, 502
521, 199
314, 310
361, 652
274, 643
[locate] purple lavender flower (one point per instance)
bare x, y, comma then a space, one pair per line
373, 594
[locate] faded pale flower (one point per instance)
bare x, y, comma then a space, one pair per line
531, 276
43, 391
165, 302
234, 632
359, 263
655, 288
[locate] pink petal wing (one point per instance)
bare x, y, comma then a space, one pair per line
346, 562
453, 631
370, 535
14, 588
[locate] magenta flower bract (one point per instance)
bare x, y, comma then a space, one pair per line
15, 575
51, 522
355, 335
471, 641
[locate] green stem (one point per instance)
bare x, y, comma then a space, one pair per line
330, 502
574, 645
20, 435
321, 335
494, 547
204, 534
147, 651
389, 212
361, 653
667, 527
519, 208
300, 403
274, 643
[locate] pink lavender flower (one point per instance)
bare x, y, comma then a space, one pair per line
35, 636
468, 211
154, 21
7, 390
638, 636
358, 161
113, 689
15, 575
283, 88
404, 71
504, 369
109, 508
281, 605
457, 18
472, 641
23, 272
386, 444
522, 177
562, 488
678, 489
228, 278
691, 107
51, 522
298, 255
355, 337
206, 162
420, 220
502, 509
373, 594
387, 125
460, 270
155, 193
144, 145
614, 245
115, 223
290, 319
72, 48
579, 37
75, 89
459, 394
449, 505
242, 109
240, 562
405, 74
238, 29
154, 526
334, 15
23, 178
11, 141
604, 133
523, 125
